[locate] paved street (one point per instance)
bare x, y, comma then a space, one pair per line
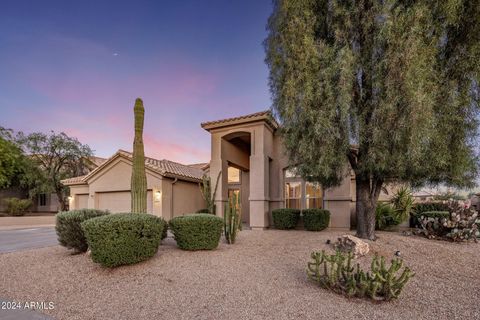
22, 239
6, 312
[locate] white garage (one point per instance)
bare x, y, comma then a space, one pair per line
120, 201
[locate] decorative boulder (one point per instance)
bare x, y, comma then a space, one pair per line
349, 243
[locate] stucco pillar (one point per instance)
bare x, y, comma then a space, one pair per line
259, 183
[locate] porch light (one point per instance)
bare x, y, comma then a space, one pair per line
158, 195
70, 198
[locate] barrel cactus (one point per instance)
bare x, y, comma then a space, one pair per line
139, 178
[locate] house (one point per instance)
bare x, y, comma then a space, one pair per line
172, 188
248, 157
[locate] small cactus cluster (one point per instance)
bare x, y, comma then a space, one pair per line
232, 221
336, 272
462, 224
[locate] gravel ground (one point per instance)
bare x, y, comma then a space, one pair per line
262, 276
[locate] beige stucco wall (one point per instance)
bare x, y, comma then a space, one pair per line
180, 198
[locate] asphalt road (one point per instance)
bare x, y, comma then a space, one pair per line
31, 238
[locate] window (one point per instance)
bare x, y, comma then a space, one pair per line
42, 199
293, 195
233, 175
313, 196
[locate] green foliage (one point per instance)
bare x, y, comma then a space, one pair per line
449, 196
419, 208
315, 219
285, 218
385, 216
16, 206
388, 85
11, 161
232, 220
402, 201
165, 228
461, 223
139, 177
197, 231
69, 230
123, 238
206, 190
336, 272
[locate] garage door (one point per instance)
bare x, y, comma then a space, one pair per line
81, 201
119, 201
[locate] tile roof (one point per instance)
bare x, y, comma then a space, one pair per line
74, 180
163, 167
262, 115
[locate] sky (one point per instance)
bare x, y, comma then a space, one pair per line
77, 67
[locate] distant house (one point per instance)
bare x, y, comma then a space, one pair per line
247, 153
423, 196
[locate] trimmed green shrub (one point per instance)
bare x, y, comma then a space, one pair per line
199, 231
165, 228
285, 218
69, 229
16, 206
205, 210
435, 214
418, 208
123, 238
315, 219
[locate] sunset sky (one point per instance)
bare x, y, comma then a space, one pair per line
77, 67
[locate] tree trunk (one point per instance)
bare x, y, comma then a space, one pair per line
367, 193
61, 200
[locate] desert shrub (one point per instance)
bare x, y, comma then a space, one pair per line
204, 210
336, 272
386, 216
16, 206
200, 231
460, 223
165, 228
419, 208
285, 218
123, 238
402, 202
315, 219
69, 229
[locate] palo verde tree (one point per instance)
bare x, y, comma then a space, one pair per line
392, 86
139, 178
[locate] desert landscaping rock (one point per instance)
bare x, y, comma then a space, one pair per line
349, 243
262, 276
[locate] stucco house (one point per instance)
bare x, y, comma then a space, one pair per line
247, 152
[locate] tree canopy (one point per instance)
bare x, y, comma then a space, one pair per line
392, 86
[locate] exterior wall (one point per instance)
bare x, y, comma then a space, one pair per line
77, 200
180, 198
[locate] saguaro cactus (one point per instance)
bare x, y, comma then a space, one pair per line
232, 220
139, 178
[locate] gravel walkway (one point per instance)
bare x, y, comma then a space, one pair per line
262, 276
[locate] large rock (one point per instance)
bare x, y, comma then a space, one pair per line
349, 243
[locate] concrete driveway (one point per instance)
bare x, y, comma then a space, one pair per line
30, 238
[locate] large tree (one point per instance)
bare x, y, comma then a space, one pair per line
54, 157
392, 86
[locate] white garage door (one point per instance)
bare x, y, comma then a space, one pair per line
81, 201
120, 201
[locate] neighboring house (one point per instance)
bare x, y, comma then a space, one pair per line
248, 154
423, 196
172, 188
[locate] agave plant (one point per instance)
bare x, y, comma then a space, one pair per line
402, 202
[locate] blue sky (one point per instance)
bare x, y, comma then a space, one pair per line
77, 67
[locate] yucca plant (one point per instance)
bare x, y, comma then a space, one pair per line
402, 202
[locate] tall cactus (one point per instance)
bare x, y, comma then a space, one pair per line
139, 178
232, 220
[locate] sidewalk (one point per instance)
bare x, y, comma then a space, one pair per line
9, 223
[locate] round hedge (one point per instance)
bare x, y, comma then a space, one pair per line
123, 238
315, 219
199, 231
285, 218
69, 230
